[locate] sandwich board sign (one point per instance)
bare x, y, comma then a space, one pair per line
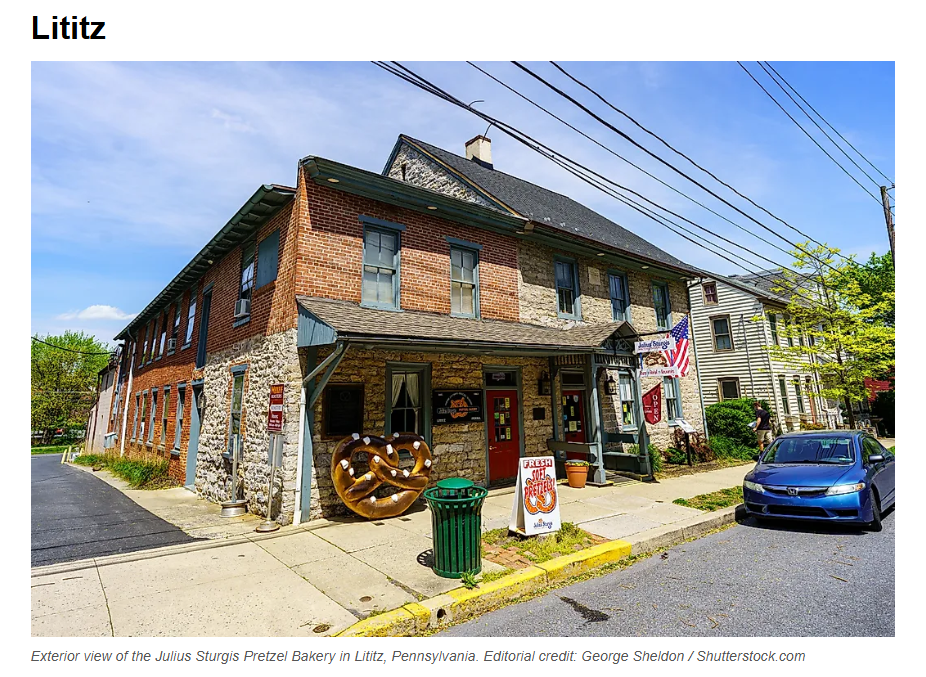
536, 505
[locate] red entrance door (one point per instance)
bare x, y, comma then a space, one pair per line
504, 436
574, 420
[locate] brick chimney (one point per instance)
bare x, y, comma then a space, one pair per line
479, 150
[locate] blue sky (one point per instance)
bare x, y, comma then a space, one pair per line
136, 165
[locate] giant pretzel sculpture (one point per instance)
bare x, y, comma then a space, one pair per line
356, 490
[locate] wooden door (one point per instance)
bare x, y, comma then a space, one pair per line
574, 420
504, 434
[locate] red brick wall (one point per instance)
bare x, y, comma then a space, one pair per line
330, 254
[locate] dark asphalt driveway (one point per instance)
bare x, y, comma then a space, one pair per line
782, 579
77, 516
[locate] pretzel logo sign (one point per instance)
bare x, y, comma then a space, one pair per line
357, 492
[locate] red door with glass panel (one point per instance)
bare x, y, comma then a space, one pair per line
504, 436
574, 420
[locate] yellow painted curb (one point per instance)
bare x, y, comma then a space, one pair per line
421, 614
584, 560
396, 623
509, 588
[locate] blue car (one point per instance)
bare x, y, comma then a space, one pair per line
835, 476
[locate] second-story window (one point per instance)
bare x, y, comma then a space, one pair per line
190, 318
174, 333
620, 297
710, 293
773, 325
463, 281
380, 268
661, 304
163, 335
567, 289
247, 279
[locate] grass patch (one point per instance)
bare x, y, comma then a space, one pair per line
494, 575
672, 470
53, 449
566, 541
714, 500
148, 474
892, 449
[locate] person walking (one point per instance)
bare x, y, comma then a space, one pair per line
763, 426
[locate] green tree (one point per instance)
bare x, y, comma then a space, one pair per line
841, 323
64, 380
876, 279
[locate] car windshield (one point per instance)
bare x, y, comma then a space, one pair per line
817, 449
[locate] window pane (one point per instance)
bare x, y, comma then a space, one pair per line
236, 393
456, 297
566, 301
467, 297
384, 287
469, 265
729, 390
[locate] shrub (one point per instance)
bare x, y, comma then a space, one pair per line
700, 449
731, 419
655, 456
812, 426
724, 447
148, 474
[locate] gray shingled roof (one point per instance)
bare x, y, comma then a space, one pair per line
550, 208
352, 321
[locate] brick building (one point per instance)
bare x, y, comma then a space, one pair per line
377, 300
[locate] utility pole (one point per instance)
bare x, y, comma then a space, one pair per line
888, 219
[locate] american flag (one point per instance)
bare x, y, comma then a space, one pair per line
679, 356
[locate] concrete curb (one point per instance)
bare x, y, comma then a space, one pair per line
463, 604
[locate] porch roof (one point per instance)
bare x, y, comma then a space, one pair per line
325, 321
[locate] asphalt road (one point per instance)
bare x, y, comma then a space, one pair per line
749, 580
77, 516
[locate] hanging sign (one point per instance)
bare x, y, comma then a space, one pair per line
656, 364
536, 506
457, 406
275, 417
654, 345
652, 405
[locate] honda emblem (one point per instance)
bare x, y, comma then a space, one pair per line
792, 491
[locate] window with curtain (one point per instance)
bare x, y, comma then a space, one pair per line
190, 318
620, 296
463, 264
566, 291
234, 428
380, 268
627, 389
406, 396
178, 426
672, 396
661, 304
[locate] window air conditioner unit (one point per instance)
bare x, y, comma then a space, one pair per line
171, 345
243, 308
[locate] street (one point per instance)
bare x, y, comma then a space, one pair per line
750, 580
76, 516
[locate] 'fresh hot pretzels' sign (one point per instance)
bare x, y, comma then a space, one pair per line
357, 488
536, 505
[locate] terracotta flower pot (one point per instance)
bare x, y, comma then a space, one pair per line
576, 475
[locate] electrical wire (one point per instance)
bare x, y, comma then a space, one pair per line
806, 133
551, 154
678, 152
656, 178
70, 350
887, 178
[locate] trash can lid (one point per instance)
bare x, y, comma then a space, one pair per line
455, 483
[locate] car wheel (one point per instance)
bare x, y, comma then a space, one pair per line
875, 523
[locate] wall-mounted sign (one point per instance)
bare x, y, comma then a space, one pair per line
342, 409
654, 345
656, 364
275, 417
652, 405
536, 506
457, 406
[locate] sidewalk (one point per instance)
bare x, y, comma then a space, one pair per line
317, 578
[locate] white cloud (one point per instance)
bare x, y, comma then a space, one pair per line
97, 312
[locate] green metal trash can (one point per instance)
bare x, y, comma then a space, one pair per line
456, 526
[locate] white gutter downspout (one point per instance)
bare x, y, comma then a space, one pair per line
694, 345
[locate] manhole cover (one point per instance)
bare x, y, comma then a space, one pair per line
366, 598
324, 627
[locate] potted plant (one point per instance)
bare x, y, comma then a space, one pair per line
576, 473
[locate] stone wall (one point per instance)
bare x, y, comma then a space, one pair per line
420, 170
537, 291
459, 450
270, 360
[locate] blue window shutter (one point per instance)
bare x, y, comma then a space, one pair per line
268, 256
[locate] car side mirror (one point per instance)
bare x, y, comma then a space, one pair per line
875, 458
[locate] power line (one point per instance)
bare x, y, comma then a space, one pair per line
886, 177
656, 178
70, 350
579, 170
766, 66
808, 134
678, 152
